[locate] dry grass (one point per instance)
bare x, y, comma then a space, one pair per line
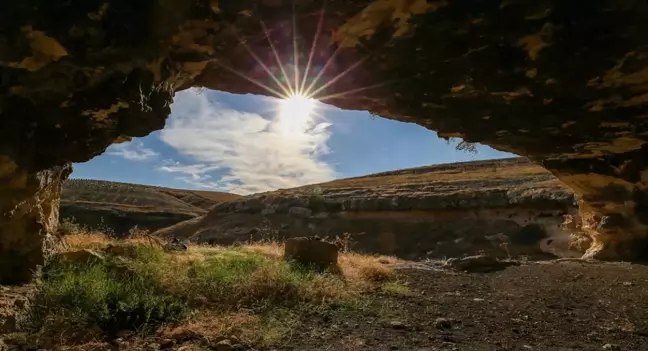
477, 171
98, 241
248, 328
145, 198
248, 292
355, 267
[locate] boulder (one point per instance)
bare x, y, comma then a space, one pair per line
175, 244
311, 252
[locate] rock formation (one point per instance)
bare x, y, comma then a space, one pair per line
505, 208
562, 82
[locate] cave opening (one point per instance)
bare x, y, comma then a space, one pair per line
561, 83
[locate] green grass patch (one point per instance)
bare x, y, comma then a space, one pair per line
98, 296
398, 289
251, 279
140, 288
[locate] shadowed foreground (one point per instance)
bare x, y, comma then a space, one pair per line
135, 296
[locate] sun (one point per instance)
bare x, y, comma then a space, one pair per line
295, 112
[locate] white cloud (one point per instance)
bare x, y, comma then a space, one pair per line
250, 153
132, 150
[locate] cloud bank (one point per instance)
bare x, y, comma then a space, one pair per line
132, 150
243, 152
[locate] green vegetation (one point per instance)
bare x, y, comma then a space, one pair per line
316, 199
98, 295
133, 285
397, 289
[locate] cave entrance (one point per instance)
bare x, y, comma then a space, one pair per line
247, 144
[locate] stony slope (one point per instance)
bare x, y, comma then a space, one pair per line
121, 206
505, 207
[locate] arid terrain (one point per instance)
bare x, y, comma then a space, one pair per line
247, 298
120, 206
508, 207
405, 279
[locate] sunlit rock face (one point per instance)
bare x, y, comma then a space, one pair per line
562, 82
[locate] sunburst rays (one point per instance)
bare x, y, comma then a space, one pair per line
298, 86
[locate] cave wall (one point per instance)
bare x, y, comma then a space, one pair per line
562, 82
535, 234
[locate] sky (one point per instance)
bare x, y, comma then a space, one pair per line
246, 144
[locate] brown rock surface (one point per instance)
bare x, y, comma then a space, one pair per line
506, 208
562, 82
311, 252
29, 205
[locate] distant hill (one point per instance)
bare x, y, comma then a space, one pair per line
121, 206
437, 211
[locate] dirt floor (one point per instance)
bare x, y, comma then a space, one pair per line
555, 305
551, 306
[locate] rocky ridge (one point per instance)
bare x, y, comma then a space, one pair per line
505, 207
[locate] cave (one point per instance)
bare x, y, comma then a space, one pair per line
564, 83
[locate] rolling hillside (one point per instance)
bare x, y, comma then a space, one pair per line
431, 211
121, 206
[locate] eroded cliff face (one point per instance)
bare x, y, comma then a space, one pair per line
562, 82
506, 208
29, 204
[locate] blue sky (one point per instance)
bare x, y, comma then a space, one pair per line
246, 144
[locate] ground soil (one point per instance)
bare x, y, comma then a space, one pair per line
549, 306
555, 305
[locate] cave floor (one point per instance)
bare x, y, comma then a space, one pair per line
567, 305
553, 305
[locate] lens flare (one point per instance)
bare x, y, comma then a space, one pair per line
295, 113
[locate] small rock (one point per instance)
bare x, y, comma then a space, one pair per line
175, 245
223, 345
611, 347
397, 325
478, 264
167, 343
443, 323
627, 283
153, 347
20, 303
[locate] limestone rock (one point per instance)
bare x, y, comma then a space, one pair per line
311, 251
175, 244
29, 204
